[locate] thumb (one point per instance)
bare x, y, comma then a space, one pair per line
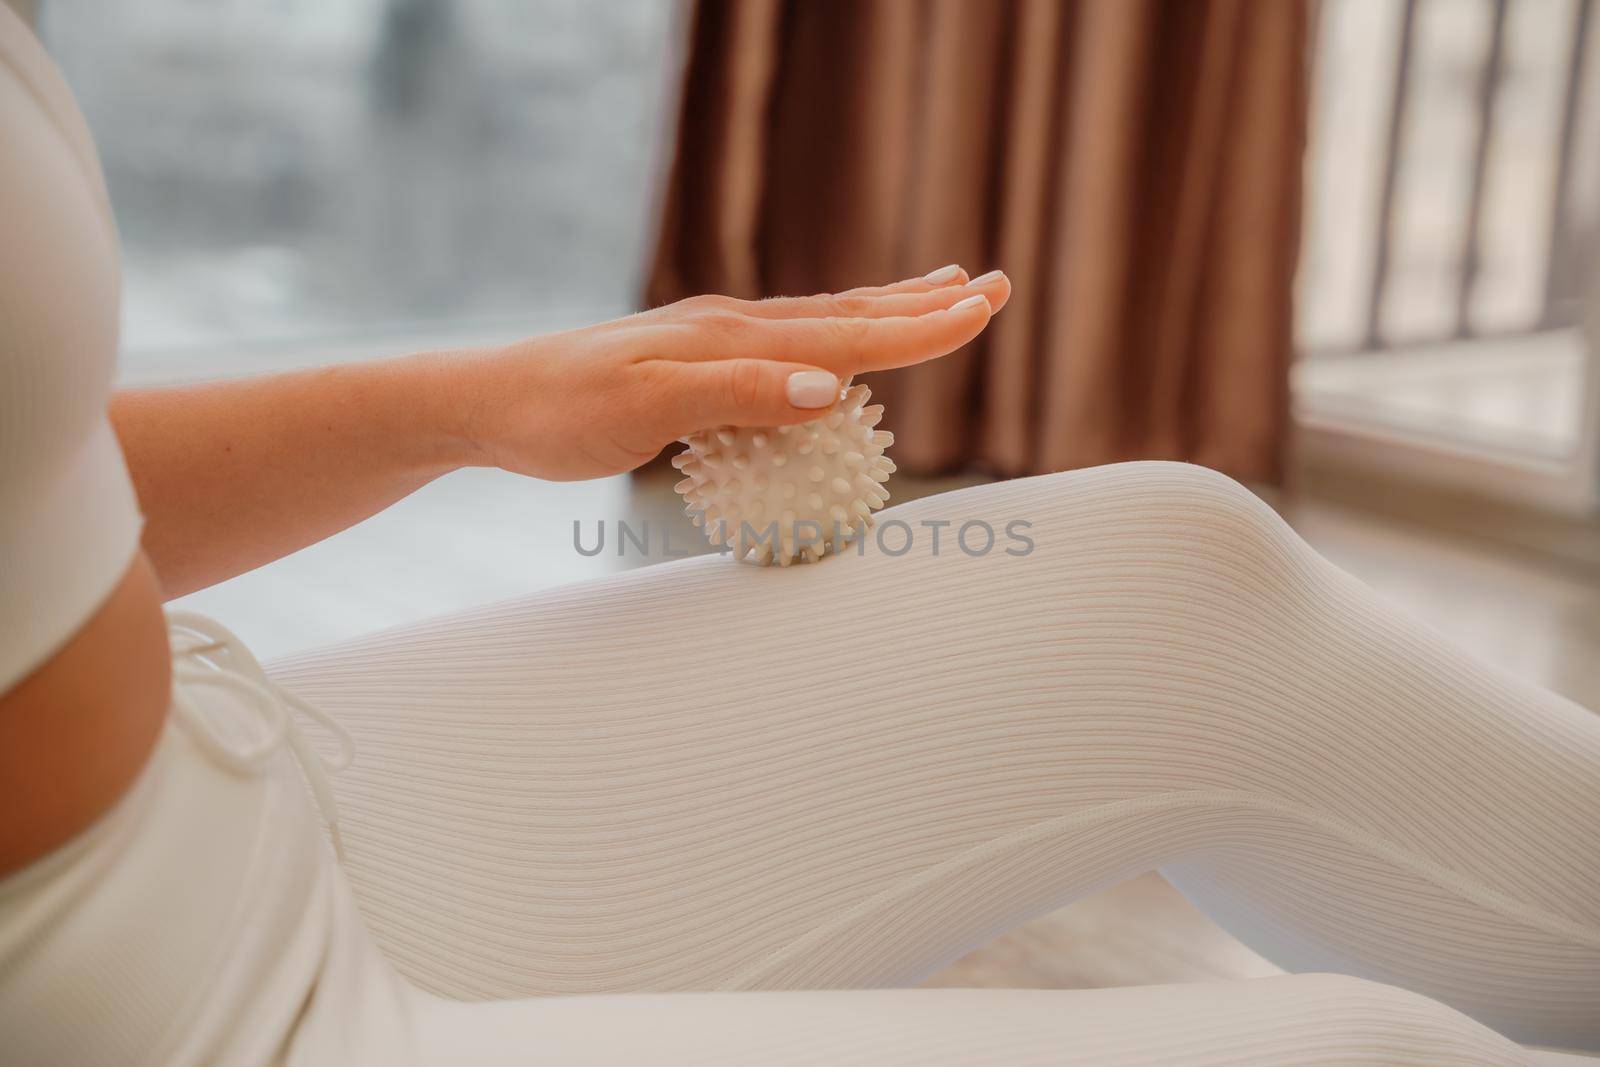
745, 392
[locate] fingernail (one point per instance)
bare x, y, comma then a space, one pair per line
943, 274
985, 279
811, 389
970, 302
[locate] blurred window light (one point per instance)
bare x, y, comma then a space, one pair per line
1452, 170
1451, 219
286, 172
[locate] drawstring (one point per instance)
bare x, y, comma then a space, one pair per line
206, 653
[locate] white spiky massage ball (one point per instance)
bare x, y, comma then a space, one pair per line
789, 492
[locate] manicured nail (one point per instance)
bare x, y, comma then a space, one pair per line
943, 274
970, 302
812, 389
985, 279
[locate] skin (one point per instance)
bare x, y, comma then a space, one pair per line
232, 475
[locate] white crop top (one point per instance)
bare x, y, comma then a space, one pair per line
69, 521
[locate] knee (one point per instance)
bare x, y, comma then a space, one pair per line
1177, 519
1194, 515
1178, 541
1202, 496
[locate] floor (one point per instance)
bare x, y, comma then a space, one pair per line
478, 536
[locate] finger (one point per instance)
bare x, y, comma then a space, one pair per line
994, 286
855, 346
738, 392
949, 277
845, 346
949, 274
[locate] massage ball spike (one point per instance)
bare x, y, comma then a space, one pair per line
757, 491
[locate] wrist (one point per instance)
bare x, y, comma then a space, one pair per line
439, 411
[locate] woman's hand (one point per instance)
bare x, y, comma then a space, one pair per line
234, 474
607, 398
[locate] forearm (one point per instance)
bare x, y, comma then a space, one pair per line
235, 474
232, 475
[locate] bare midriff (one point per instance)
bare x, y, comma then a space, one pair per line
76, 732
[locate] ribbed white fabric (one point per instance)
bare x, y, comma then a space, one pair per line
704, 776
1266, 1022
716, 777
202, 922
69, 522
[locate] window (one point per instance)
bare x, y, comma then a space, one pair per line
1453, 220
296, 180
300, 182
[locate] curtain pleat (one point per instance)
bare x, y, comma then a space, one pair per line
1133, 165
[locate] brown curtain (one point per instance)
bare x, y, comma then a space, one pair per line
1133, 165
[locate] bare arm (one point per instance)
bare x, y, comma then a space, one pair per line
235, 474
232, 475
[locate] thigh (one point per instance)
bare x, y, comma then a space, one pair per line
1304, 1019
712, 776
707, 775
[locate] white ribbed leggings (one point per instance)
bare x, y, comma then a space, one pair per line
706, 776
